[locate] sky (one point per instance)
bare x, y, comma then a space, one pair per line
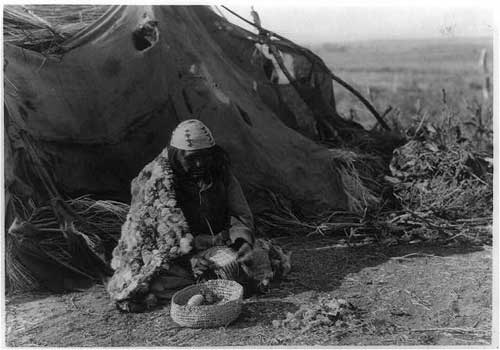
319, 21
327, 23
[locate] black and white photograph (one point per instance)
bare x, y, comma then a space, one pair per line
249, 174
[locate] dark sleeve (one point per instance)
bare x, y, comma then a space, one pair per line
241, 218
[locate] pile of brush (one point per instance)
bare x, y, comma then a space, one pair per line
445, 188
325, 311
438, 187
43, 28
75, 236
449, 181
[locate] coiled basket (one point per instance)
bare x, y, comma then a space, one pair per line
208, 316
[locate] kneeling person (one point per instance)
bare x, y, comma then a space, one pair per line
215, 211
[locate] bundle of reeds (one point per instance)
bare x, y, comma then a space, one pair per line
43, 28
362, 178
79, 240
280, 219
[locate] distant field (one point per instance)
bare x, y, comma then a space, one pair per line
399, 72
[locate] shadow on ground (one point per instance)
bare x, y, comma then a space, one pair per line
263, 312
405, 293
321, 265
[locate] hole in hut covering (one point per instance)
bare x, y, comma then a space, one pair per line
244, 115
146, 35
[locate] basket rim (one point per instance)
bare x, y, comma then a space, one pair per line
239, 290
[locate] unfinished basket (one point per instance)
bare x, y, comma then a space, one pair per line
226, 266
207, 316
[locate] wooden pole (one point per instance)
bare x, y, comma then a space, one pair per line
315, 59
483, 65
362, 99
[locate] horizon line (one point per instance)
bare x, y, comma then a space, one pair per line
347, 41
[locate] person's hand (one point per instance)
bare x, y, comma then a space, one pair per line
244, 253
203, 242
221, 238
200, 266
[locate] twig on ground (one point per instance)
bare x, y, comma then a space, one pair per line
449, 329
340, 245
405, 257
455, 236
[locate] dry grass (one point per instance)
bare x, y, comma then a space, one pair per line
80, 240
444, 176
358, 175
43, 28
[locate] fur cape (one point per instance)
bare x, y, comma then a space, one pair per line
154, 233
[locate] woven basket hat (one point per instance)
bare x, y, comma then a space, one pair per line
191, 135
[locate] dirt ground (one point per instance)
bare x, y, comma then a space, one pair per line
416, 294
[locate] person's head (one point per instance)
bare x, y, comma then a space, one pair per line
193, 152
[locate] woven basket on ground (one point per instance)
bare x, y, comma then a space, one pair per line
207, 316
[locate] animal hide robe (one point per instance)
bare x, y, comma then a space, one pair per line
155, 232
